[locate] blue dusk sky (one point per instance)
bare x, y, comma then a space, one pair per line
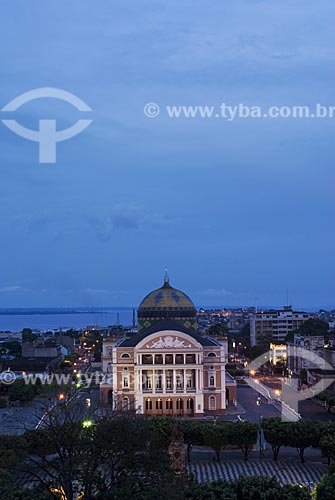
240, 211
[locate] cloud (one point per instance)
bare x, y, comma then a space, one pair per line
220, 292
13, 289
95, 291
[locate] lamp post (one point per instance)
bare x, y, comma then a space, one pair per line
259, 402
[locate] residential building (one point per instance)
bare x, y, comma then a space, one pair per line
274, 325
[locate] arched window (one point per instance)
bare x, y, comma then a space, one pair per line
190, 404
125, 355
125, 404
180, 404
148, 404
211, 355
212, 403
169, 404
211, 381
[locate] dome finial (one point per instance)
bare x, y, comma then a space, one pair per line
166, 277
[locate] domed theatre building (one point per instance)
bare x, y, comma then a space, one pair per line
167, 368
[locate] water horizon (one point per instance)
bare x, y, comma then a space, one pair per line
54, 318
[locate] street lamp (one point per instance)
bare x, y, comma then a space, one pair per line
259, 402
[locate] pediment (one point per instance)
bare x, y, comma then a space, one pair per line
169, 341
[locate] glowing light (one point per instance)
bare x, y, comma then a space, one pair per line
60, 491
87, 424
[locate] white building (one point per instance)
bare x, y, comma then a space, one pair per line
296, 361
274, 325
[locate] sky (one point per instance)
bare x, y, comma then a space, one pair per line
241, 212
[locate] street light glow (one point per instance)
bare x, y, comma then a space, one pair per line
87, 424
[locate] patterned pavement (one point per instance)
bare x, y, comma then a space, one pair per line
286, 471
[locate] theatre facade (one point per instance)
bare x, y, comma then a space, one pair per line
167, 368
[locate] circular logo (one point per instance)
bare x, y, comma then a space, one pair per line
151, 110
8, 377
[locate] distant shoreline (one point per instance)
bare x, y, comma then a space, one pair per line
60, 311
45, 311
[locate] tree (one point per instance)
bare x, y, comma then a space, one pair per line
13, 347
325, 489
218, 330
303, 434
313, 326
243, 435
193, 435
28, 335
215, 437
115, 458
162, 430
327, 446
247, 488
217, 490
9, 490
328, 397
275, 433
20, 391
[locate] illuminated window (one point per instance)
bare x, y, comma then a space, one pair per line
180, 404
169, 404
148, 404
190, 404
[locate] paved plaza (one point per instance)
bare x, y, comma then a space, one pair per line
285, 470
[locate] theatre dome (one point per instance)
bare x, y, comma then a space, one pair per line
164, 303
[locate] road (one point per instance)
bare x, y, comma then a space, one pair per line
308, 408
247, 397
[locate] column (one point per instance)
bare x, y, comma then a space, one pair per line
164, 381
140, 374
174, 381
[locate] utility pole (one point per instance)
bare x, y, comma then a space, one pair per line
259, 403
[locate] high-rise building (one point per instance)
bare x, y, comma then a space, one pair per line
274, 325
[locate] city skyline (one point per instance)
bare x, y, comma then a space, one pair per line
239, 210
